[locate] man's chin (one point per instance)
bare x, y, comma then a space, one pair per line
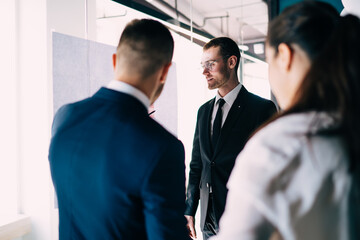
211, 87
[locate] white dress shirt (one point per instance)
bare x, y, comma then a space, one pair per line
128, 89
229, 100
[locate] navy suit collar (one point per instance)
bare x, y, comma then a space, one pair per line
121, 98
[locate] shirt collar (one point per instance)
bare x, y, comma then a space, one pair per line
128, 89
231, 96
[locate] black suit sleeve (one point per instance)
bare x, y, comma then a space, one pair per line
193, 191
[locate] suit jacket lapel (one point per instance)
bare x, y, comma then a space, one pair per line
233, 116
206, 136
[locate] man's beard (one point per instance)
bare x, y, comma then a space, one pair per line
225, 72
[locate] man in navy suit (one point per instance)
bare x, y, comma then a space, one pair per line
223, 126
118, 174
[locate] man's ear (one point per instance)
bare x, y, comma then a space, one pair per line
285, 56
232, 62
164, 72
114, 60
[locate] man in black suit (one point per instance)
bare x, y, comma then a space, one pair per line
119, 174
223, 126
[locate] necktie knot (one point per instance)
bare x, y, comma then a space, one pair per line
221, 102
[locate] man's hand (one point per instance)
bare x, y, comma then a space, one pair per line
191, 226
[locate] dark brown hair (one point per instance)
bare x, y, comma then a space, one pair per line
228, 48
145, 45
332, 84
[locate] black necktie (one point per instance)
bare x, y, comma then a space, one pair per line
217, 123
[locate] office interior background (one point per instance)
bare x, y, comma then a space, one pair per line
28, 207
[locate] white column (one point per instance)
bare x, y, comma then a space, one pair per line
34, 124
9, 109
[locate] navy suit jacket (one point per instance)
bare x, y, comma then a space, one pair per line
117, 173
212, 167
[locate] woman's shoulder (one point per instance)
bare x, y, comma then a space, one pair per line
277, 147
292, 128
283, 133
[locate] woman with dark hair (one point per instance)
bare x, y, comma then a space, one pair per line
299, 175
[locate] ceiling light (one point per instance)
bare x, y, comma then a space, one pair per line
259, 48
244, 47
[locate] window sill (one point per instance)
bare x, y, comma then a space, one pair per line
14, 226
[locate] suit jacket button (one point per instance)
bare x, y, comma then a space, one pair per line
212, 164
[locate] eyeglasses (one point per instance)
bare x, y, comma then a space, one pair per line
209, 65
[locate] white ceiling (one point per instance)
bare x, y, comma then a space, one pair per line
245, 21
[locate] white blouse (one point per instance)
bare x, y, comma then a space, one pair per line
290, 179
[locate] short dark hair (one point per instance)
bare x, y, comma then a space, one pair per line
145, 45
228, 48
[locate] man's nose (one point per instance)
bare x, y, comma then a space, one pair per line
205, 71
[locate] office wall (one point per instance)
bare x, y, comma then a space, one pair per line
80, 68
8, 104
24, 113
